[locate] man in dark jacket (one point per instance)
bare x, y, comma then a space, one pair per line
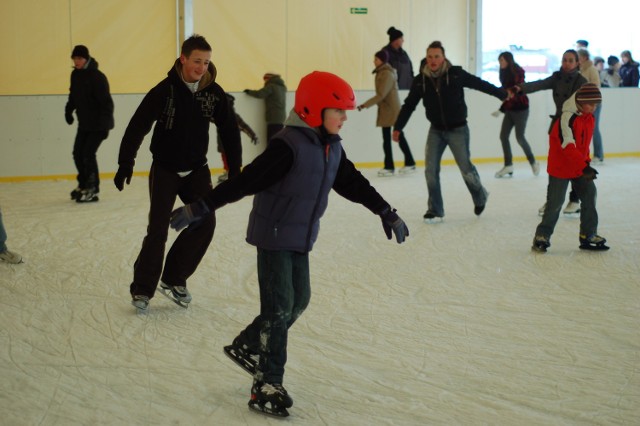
441, 88
89, 97
181, 105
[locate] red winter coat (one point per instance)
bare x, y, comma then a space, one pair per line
568, 158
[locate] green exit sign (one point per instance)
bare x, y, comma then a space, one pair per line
359, 10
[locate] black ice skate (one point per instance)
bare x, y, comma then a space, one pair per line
431, 217
176, 293
88, 196
594, 242
75, 194
540, 244
270, 398
240, 353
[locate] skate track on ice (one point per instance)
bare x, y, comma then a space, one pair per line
462, 324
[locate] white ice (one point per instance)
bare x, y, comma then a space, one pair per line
462, 324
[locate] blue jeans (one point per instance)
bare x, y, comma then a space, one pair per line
597, 137
517, 119
556, 191
458, 141
3, 235
285, 291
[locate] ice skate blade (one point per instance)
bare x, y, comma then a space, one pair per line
246, 366
167, 293
593, 247
537, 249
267, 409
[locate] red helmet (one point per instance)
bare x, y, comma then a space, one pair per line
320, 90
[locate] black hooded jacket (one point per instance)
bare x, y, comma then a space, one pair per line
89, 96
180, 138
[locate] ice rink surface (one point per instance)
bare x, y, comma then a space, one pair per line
462, 324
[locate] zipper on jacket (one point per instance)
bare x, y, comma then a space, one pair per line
315, 207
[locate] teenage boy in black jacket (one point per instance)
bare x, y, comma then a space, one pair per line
181, 105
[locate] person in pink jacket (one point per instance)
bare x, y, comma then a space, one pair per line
569, 162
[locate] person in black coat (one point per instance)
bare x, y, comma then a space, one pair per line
181, 106
90, 98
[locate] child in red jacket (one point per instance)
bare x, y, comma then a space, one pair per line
569, 161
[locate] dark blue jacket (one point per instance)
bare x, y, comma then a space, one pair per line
286, 216
629, 74
291, 180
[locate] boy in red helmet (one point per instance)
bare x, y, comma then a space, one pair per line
569, 162
291, 181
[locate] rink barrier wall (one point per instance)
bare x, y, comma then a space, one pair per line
36, 142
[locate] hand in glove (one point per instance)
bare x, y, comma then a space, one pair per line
123, 175
589, 173
188, 214
254, 140
392, 222
68, 117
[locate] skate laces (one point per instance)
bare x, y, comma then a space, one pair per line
273, 389
595, 238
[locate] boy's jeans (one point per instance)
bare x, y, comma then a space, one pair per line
284, 294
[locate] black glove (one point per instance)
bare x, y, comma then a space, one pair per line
69, 117
254, 140
589, 173
246, 90
392, 222
123, 175
188, 214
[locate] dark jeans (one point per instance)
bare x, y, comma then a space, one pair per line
597, 136
388, 151
3, 235
517, 119
189, 248
272, 129
556, 191
285, 291
85, 148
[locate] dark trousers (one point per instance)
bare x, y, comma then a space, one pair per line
191, 245
285, 291
272, 129
388, 152
85, 148
517, 119
556, 192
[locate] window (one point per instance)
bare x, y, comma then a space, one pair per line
538, 33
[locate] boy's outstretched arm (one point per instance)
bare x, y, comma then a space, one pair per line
353, 186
